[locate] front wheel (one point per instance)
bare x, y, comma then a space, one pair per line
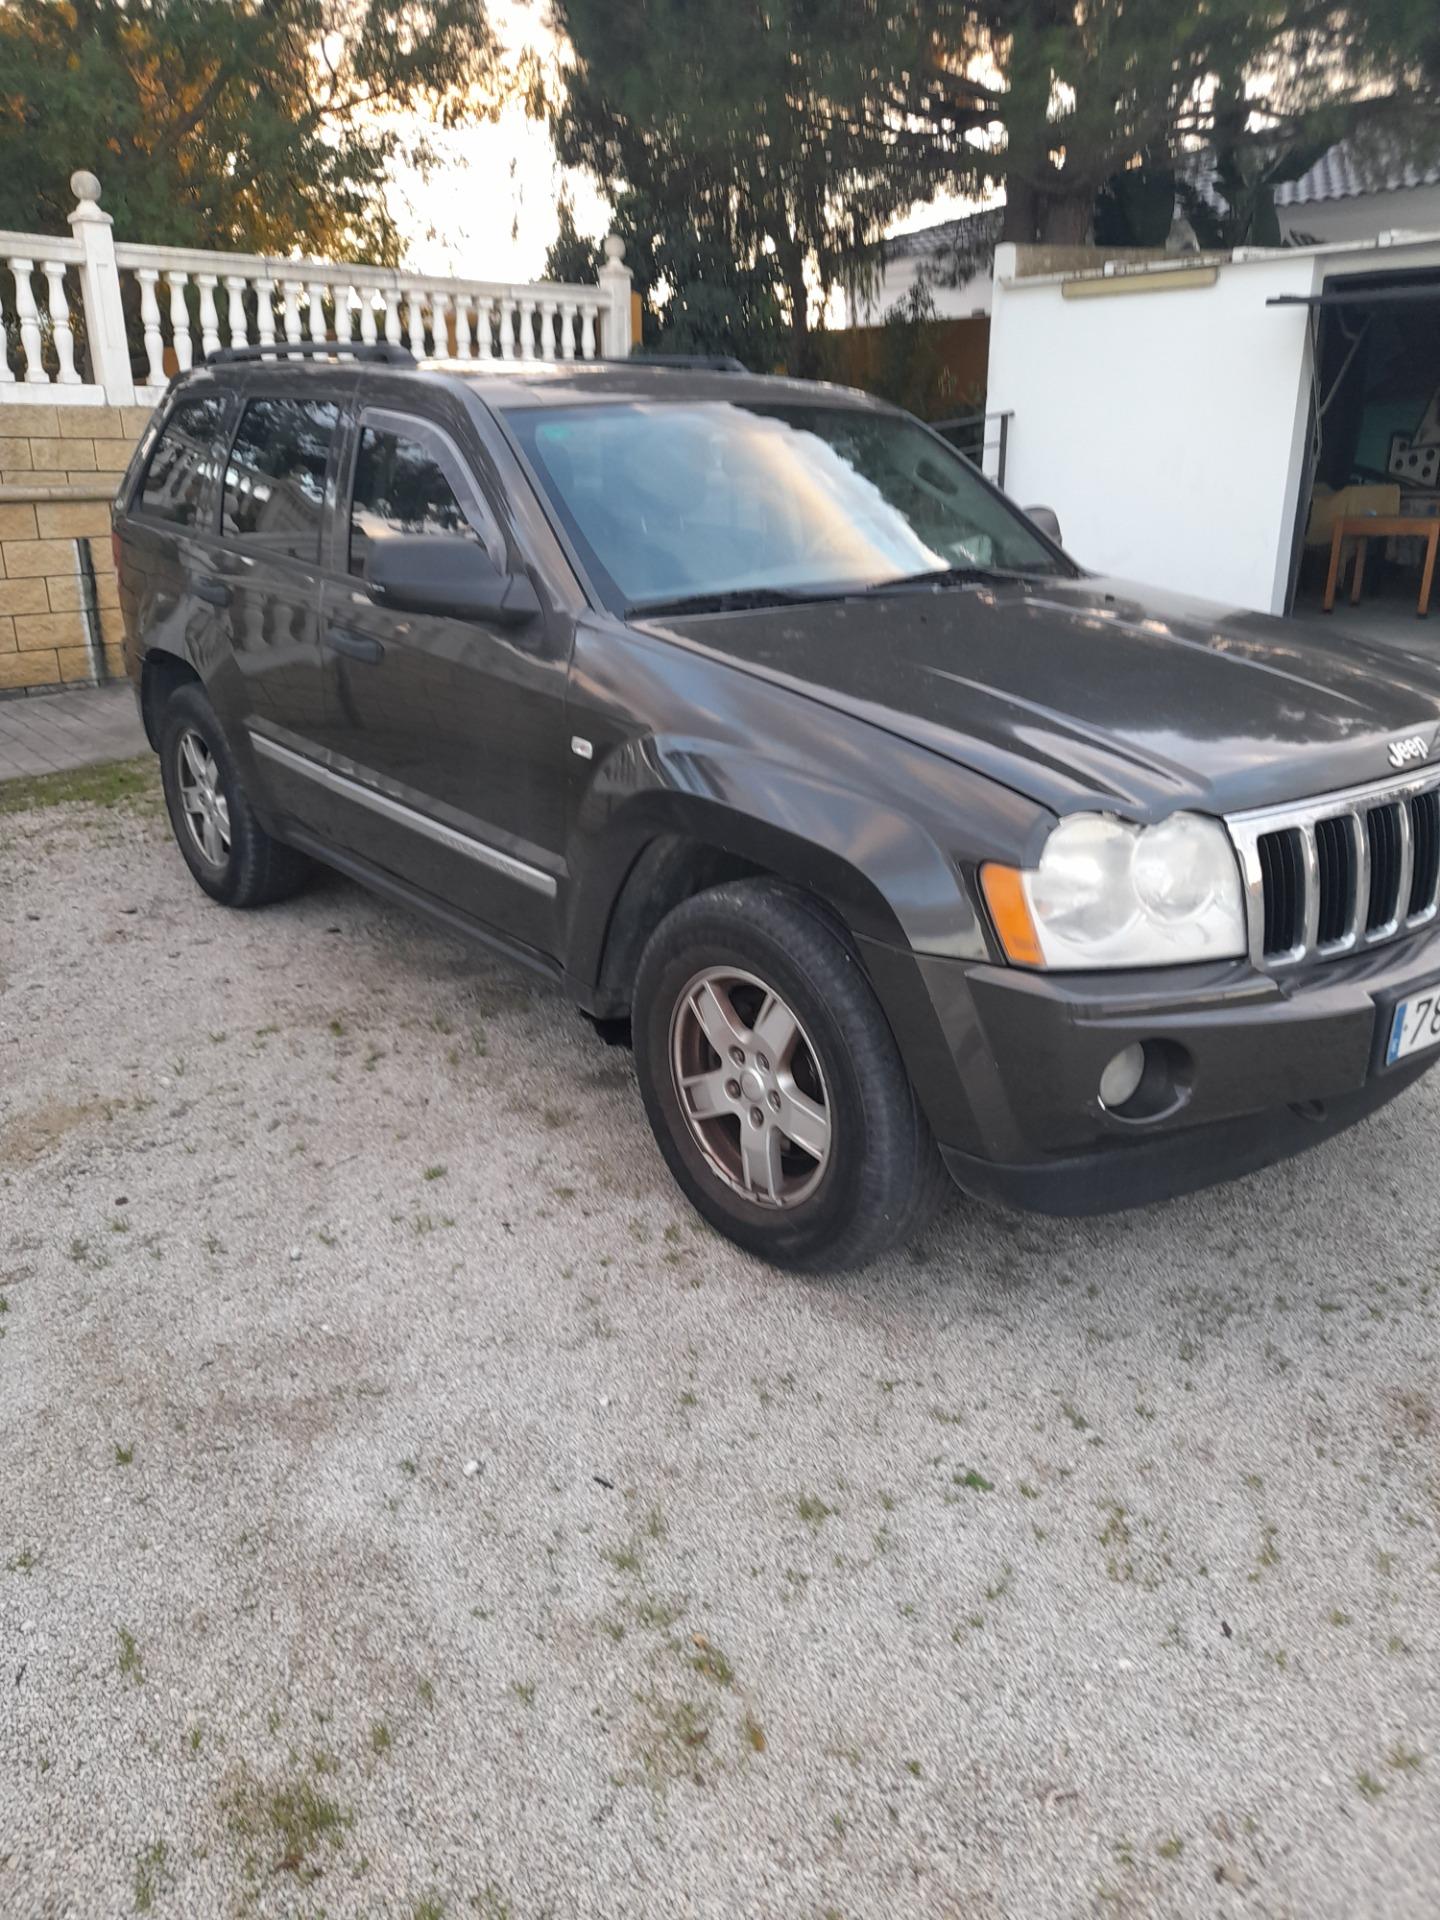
773, 1083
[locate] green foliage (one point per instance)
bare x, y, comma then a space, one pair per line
770, 148
765, 150
259, 125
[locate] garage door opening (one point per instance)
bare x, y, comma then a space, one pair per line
1369, 522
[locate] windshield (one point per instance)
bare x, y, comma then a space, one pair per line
673, 502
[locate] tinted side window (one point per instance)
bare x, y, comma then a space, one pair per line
185, 458
275, 482
406, 484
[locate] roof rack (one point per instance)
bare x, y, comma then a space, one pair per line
706, 362
385, 351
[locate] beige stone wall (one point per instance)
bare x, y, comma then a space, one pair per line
59, 607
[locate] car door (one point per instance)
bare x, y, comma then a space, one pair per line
262, 569
451, 731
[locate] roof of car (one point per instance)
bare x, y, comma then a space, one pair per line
538, 383
568, 382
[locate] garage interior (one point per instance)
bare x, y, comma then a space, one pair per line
1375, 458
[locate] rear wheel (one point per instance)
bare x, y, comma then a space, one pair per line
230, 854
773, 1083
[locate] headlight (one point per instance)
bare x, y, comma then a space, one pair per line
1106, 894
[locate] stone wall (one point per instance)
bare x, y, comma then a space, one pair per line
59, 607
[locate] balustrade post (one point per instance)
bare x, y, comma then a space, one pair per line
100, 293
54, 272
615, 285
28, 315
150, 323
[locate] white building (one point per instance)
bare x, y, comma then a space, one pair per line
1344, 197
931, 253
1196, 423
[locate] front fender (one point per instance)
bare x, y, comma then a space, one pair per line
885, 877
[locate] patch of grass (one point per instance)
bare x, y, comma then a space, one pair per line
1171, 1848
1404, 1759
123, 1455
998, 1589
753, 1734
711, 1662
129, 1658
1269, 1554
435, 1173
670, 1742
380, 1737
194, 1738
813, 1511
409, 1468
624, 1559
1339, 1619
1369, 1785
148, 1868
123, 783
975, 1480
292, 1818
431, 1907
658, 1614
426, 1690
25, 1561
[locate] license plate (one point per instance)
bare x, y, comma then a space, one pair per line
1415, 1026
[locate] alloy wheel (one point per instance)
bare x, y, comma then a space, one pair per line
750, 1086
202, 798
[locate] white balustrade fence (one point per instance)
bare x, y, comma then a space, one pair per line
149, 312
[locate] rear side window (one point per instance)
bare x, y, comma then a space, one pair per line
275, 480
185, 459
408, 479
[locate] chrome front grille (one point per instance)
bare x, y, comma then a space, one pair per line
1344, 872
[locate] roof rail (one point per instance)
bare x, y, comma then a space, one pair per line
707, 362
385, 351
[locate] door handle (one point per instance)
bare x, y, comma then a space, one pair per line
355, 646
214, 592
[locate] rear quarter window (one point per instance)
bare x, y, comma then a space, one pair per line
185, 461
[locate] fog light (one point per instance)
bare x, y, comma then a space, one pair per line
1122, 1076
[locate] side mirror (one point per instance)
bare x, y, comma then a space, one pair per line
440, 574
1047, 520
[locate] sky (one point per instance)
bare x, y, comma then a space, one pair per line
486, 211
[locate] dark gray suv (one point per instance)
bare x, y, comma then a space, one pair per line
751, 713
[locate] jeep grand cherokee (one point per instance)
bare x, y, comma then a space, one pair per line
747, 710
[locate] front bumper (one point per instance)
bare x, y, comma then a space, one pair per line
1265, 1067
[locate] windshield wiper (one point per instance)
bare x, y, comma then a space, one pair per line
953, 577
730, 600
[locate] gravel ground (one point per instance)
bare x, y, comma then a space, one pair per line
408, 1509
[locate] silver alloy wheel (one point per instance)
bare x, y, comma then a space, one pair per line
202, 799
749, 1083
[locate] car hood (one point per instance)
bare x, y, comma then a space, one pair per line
1095, 691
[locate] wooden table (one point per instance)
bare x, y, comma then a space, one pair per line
1362, 528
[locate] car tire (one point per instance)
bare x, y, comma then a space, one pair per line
753, 1015
230, 854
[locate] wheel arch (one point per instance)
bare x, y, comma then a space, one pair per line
161, 672
666, 847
